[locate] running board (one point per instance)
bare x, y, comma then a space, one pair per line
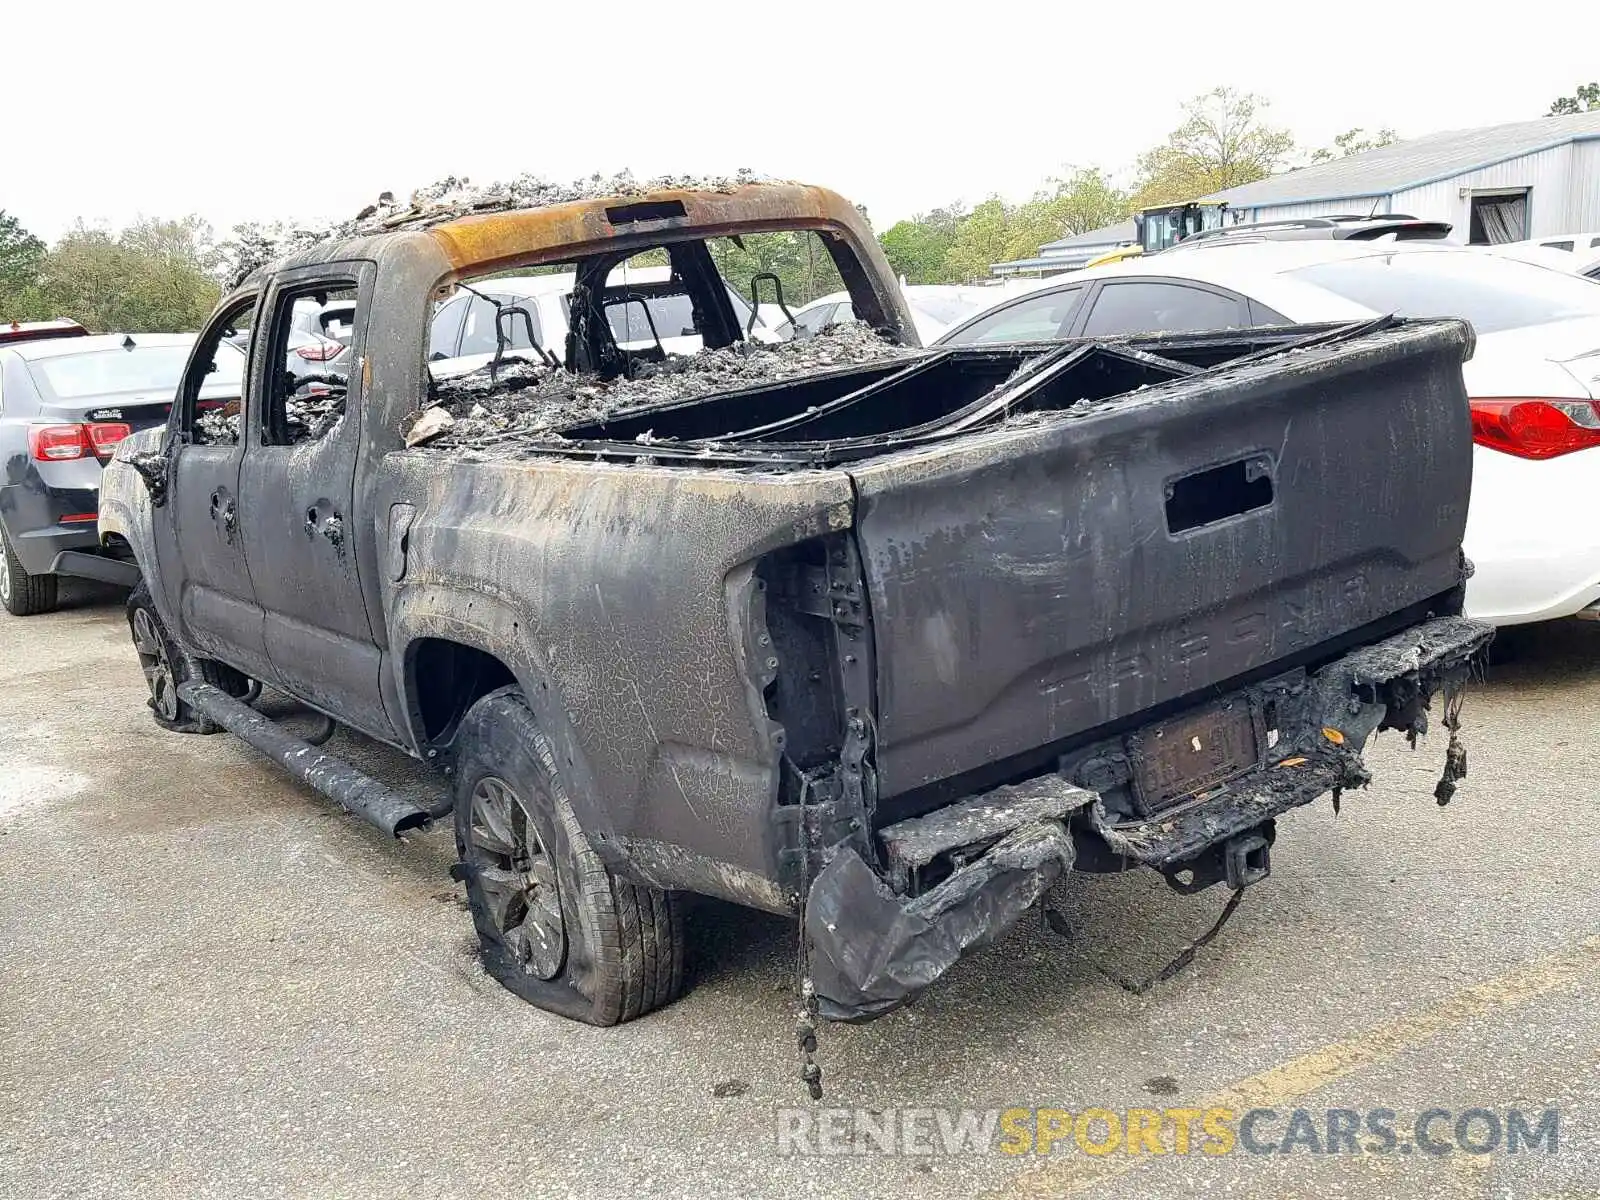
358, 794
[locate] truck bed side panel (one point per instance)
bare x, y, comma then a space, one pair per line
632, 590
1045, 579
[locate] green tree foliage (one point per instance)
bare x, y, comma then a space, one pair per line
1353, 141
154, 275
1585, 99
952, 245
986, 236
20, 256
1223, 141
916, 248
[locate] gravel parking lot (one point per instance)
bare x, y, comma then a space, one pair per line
214, 983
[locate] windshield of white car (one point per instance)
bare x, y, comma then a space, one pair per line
109, 372
1492, 293
949, 310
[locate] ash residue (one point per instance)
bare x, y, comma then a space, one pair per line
451, 197
254, 246
307, 418
531, 402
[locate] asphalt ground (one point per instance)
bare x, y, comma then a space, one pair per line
212, 983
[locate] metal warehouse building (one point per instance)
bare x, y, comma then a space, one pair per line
1503, 183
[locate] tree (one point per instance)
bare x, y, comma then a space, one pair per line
1353, 141
1223, 142
1585, 99
950, 245
20, 256
984, 237
20, 253
1084, 200
916, 248
154, 275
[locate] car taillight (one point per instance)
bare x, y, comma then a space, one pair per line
104, 436
319, 351
1530, 427
58, 443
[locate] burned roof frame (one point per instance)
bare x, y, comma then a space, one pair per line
505, 240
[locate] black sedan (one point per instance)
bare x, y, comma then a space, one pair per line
65, 403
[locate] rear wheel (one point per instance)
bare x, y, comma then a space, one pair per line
555, 926
23, 594
165, 667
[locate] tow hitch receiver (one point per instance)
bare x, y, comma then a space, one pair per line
1249, 860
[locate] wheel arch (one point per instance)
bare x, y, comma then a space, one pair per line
462, 645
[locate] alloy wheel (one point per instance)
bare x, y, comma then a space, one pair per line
518, 876
157, 667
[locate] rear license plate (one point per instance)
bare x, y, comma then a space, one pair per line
1193, 753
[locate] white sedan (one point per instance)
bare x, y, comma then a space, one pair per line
935, 307
1533, 380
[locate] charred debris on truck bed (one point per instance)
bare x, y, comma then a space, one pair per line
523, 403
839, 396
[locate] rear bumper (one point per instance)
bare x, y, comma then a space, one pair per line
39, 548
33, 516
878, 940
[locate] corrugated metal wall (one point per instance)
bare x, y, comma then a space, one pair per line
1546, 174
1563, 183
1583, 186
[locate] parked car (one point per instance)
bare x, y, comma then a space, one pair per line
1574, 243
833, 635
462, 334
14, 332
65, 404
1580, 262
1355, 227
934, 307
1533, 379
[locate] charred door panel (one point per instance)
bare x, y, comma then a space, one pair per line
199, 547
298, 519
198, 539
1036, 582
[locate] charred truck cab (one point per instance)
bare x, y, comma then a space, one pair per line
886, 641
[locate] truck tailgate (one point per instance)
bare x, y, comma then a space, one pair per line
1039, 580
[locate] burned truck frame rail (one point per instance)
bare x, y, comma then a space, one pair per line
887, 647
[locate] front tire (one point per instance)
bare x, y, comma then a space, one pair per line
555, 926
23, 595
165, 666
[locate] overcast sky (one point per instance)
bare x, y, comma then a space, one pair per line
253, 110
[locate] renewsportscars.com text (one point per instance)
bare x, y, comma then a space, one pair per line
1161, 1131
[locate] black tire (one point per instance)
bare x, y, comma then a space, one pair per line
165, 667
618, 951
23, 595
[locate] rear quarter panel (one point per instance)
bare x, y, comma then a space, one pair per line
621, 597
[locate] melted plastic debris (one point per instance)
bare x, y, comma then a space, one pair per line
528, 402
453, 197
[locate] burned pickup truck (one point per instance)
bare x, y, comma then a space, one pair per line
883, 639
